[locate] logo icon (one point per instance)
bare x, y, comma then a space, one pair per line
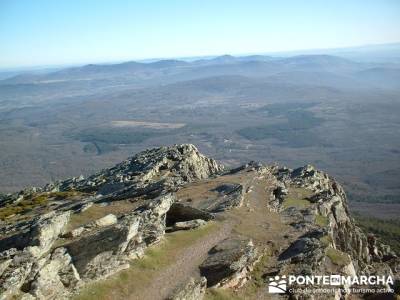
335, 280
277, 285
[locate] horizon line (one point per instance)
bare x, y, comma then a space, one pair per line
191, 57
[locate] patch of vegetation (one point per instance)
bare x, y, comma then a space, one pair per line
23, 206
297, 197
386, 198
321, 220
144, 270
8, 211
337, 257
295, 132
279, 109
257, 281
297, 203
326, 240
387, 230
29, 203
64, 195
99, 148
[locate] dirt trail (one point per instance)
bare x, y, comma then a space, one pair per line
166, 280
253, 220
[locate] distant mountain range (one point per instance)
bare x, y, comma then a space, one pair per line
301, 68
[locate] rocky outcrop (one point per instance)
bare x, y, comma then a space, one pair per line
31, 262
195, 289
32, 252
331, 203
334, 245
105, 221
229, 263
147, 173
81, 230
229, 196
47, 272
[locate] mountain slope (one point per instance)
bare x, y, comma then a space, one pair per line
181, 227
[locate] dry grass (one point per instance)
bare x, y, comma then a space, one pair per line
199, 192
321, 220
38, 200
326, 240
297, 197
24, 206
337, 257
220, 294
97, 211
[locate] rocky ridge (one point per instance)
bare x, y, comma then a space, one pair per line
61, 238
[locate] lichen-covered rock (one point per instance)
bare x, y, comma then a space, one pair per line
46, 231
229, 196
15, 275
229, 263
195, 289
52, 279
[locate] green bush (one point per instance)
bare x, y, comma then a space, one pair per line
387, 230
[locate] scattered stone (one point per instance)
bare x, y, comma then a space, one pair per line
107, 220
189, 224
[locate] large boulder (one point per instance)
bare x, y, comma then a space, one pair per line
195, 289
229, 262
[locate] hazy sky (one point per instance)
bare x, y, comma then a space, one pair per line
46, 32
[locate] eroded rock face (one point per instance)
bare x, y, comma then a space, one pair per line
336, 245
229, 263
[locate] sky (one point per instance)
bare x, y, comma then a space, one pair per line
49, 32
